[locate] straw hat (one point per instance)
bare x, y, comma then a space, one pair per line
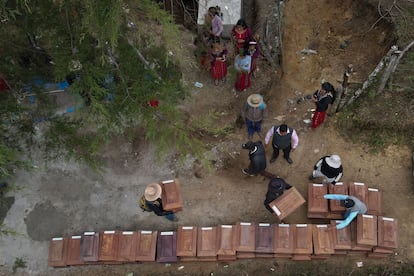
334, 161
152, 191
255, 100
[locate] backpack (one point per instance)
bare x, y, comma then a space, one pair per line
143, 205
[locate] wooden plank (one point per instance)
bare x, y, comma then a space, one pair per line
146, 246
73, 255
367, 230
171, 195
387, 232
108, 245
341, 237
302, 239
226, 241
246, 237
90, 247
127, 246
167, 247
322, 240
207, 242
264, 238
288, 202
301, 257
359, 190
283, 239
374, 206
357, 248
57, 252
187, 241
338, 188
317, 204
245, 255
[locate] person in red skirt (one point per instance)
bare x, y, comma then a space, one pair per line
242, 64
254, 52
241, 34
218, 67
322, 98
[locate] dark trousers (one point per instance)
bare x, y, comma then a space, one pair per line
286, 152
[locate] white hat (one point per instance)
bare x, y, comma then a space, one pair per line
152, 191
255, 100
334, 161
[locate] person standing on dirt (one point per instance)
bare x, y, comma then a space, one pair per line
213, 16
253, 112
241, 34
242, 64
285, 139
218, 62
329, 167
257, 158
254, 52
322, 98
153, 202
275, 188
353, 206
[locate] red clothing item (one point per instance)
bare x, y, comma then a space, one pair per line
3, 85
242, 82
318, 118
246, 35
219, 65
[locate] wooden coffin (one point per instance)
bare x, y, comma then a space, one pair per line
341, 237
317, 204
167, 247
246, 237
171, 195
387, 233
367, 230
338, 188
90, 247
57, 252
374, 206
359, 190
264, 239
127, 246
73, 255
226, 242
322, 239
302, 239
108, 245
355, 247
288, 202
187, 241
207, 243
283, 240
146, 245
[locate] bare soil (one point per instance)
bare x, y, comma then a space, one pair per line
65, 198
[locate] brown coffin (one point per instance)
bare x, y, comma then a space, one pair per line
339, 188
246, 237
354, 246
187, 241
167, 247
283, 239
171, 195
207, 242
322, 240
57, 252
90, 247
146, 246
108, 245
317, 204
127, 246
264, 238
226, 241
73, 252
245, 255
341, 237
302, 234
367, 230
288, 202
359, 190
374, 206
387, 232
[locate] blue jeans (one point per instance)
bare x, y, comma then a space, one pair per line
170, 217
253, 127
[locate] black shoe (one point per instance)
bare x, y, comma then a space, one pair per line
246, 172
289, 160
311, 177
272, 160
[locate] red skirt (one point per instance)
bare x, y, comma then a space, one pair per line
219, 70
242, 82
318, 118
253, 67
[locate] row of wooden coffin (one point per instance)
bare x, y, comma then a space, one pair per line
319, 207
374, 235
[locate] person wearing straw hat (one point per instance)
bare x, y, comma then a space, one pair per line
253, 113
354, 206
153, 201
329, 167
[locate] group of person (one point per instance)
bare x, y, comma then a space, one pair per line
245, 50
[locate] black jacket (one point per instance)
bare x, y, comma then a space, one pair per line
275, 188
257, 156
